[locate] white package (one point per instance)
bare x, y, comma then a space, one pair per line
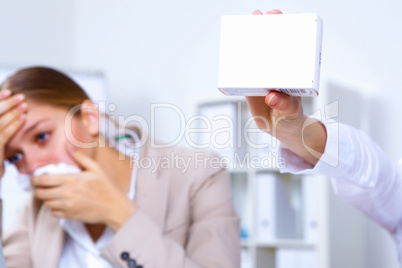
259, 53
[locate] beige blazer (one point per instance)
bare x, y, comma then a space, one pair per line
186, 219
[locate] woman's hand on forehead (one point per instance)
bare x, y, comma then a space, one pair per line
12, 116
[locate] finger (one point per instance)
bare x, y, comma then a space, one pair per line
84, 161
256, 12
5, 93
11, 128
9, 103
260, 112
59, 205
48, 193
58, 214
282, 102
274, 11
49, 180
62, 212
257, 105
12, 115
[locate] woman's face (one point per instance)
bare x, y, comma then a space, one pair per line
42, 139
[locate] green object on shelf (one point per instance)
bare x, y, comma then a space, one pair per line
122, 137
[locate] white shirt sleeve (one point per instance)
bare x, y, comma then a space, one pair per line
361, 174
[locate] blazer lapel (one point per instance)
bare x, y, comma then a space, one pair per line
48, 240
152, 189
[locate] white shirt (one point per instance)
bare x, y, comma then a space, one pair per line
79, 250
363, 175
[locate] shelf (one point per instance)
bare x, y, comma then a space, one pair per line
246, 243
286, 243
281, 243
242, 171
237, 171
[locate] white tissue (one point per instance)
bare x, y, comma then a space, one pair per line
61, 168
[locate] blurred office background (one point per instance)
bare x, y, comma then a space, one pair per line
167, 52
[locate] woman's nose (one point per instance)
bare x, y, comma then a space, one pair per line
34, 162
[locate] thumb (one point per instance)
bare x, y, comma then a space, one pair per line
81, 159
287, 105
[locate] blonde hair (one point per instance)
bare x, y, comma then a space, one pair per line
49, 86
46, 85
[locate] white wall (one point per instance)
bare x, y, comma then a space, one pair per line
36, 32
167, 51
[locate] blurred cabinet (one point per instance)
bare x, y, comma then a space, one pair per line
286, 220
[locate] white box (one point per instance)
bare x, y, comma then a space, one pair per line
259, 53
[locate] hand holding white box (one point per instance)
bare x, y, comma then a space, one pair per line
270, 52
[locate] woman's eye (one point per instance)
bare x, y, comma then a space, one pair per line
15, 158
42, 136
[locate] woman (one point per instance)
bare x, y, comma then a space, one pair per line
178, 217
364, 176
